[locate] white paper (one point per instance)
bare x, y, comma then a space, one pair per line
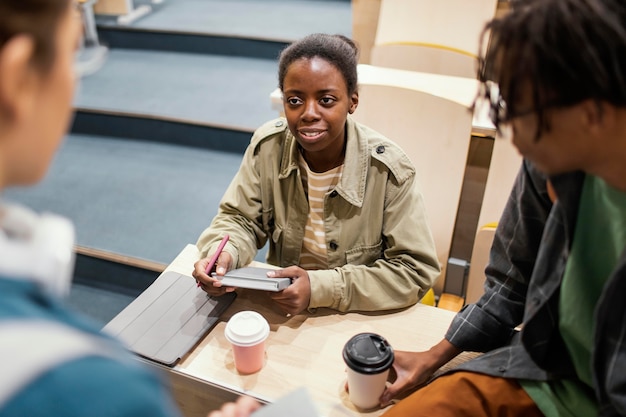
296, 403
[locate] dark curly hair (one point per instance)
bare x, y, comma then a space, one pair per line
567, 51
338, 50
37, 18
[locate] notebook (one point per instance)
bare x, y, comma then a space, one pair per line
253, 278
165, 321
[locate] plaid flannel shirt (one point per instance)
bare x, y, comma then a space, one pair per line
523, 279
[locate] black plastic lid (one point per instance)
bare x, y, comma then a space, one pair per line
368, 353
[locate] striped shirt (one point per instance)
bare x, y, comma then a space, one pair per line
313, 255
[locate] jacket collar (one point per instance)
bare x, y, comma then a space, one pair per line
353, 179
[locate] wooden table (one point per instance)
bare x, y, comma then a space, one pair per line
303, 350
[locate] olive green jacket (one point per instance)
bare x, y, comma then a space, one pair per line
381, 253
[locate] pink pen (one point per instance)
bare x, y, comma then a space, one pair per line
216, 255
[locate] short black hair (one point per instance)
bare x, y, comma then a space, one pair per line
567, 51
338, 50
37, 18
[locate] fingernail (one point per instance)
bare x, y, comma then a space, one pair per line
271, 274
220, 270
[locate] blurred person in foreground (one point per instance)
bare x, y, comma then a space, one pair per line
56, 363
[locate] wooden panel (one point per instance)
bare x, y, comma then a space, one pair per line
505, 164
474, 180
422, 35
195, 397
428, 116
364, 23
452, 23
450, 302
120, 259
114, 7
424, 58
504, 6
366, 15
480, 257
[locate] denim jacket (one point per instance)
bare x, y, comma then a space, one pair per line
526, 266
381, 253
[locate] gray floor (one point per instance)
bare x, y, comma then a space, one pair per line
97, 304
283, 20
140, 199
208, 89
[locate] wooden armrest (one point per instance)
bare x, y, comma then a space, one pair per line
451, 302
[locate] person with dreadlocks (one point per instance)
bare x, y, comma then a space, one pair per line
552, 320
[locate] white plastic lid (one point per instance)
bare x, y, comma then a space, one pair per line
247, 328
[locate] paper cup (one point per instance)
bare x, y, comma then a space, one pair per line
247, 332
369, 358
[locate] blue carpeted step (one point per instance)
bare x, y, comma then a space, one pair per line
131, 38
158, 130
214, 90
223, 92
254, 21
143, 200
98, 304
103, 287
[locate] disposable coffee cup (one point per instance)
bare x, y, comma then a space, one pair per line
368, 357
247, 332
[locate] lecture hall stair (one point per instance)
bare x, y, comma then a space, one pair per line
160, 130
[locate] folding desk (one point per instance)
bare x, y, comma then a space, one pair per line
303, 350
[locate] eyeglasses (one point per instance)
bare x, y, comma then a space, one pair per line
498, 112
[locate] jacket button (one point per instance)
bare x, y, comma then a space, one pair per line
334, 193
333, 245
380, 149
501, 369
278, 123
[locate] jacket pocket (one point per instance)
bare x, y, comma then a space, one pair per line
267, 218
275, 253
365, 255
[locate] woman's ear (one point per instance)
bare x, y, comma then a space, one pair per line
354, 102
16, 76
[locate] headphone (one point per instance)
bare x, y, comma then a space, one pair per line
38, 248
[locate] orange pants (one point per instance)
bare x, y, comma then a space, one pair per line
467, 394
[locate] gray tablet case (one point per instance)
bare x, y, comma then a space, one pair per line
168, 318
